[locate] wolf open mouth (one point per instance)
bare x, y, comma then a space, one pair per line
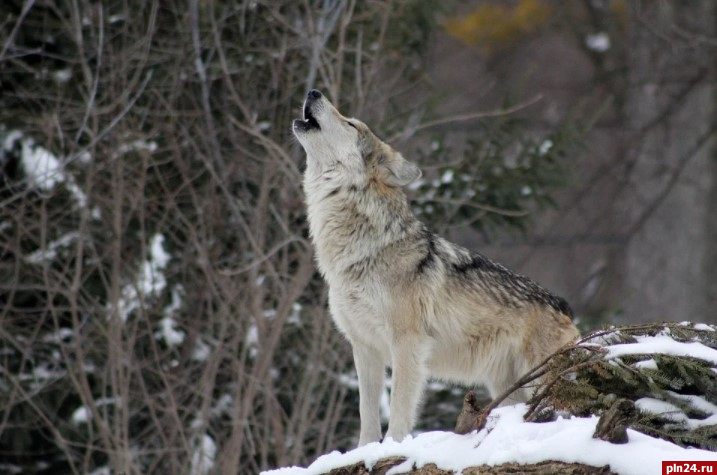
309, 121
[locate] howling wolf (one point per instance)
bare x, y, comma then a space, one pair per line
403, 296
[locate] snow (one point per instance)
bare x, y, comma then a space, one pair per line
599, 42
168, 326
665, 345
82, 414
201, 350
41, 374
507, 438
663, 408
43, 169
697, 402
447, 176
40, 166
223, 405
416, 184
116, 18
79, 195
295, 316
61, 76
545, 147
137, 145
348, 380
10, 139
83, 157
251, 340
203, 456
45, 255
59, 336
150, 281
159, 255
169, 333
177, 299
673, 413
646, 364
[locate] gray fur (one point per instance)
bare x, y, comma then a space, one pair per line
403, 296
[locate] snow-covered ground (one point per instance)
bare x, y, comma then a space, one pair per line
507, 438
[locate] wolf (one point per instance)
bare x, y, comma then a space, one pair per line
404, 297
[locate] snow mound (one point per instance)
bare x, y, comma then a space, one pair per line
507, 438
668, 370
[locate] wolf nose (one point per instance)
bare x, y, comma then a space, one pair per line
314, 94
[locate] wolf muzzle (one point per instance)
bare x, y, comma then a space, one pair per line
309, 121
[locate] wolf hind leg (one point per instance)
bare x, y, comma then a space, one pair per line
505, 378
371, 370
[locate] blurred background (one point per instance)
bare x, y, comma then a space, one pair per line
160, 311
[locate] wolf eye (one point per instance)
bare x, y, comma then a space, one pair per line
352, 125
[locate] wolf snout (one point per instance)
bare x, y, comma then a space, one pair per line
309, 122
310, 105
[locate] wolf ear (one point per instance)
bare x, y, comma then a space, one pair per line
400, 172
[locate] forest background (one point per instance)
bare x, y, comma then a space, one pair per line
160, 311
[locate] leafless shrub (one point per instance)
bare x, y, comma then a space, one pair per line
160, 311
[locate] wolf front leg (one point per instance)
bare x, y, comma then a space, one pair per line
408, 358
371, 371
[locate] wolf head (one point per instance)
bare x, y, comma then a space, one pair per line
332, 141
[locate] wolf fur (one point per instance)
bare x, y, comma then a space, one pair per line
403, 296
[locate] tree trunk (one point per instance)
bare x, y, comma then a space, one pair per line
669, 261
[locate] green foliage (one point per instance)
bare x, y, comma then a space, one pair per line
676, 393
502, 176
418, 25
